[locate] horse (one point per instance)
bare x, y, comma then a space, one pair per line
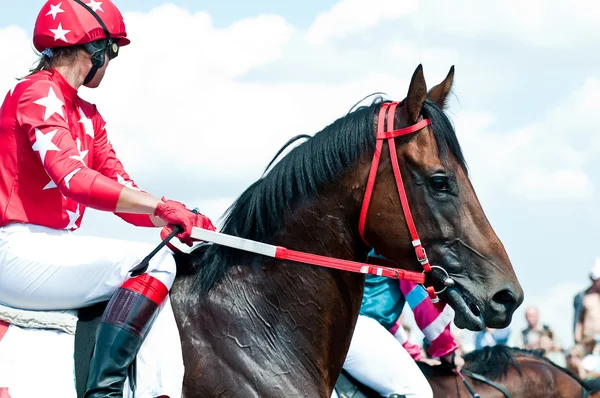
520, 373
251, 325
255, 326
493, 372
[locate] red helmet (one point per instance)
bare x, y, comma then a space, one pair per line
70, 22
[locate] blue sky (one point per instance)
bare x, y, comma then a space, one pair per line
527, 106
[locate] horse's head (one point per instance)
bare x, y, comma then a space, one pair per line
448, 216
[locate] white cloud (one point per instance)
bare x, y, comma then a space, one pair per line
548, 160
540, 185
213, 209
352, 16
576, 118
541, 23
18, 54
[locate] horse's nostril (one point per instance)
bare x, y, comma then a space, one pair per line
506, 298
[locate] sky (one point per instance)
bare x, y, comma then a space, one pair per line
208, 92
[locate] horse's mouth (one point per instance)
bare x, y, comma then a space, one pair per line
467, 313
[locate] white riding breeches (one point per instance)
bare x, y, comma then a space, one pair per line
47, 269
379, 361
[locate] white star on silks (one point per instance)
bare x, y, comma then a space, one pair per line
69, 176
124, 182
43, 143
95, 5
73, 217
12, 90
60, 33
82, 154
88, 126
52, 104
55, 10
50, 185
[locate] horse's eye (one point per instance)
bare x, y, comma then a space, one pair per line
440, 183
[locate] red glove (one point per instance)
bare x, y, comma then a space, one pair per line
197, 220
175, 213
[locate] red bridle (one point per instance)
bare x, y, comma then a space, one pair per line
389, 134
283, 253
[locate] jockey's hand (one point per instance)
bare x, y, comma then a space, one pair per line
175, 213
454, 359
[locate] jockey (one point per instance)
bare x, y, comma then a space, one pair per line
56, 160
380, 355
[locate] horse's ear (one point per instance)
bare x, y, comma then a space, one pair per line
439, 93
417, 92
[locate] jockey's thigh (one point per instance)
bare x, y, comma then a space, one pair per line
379, 361
46, 269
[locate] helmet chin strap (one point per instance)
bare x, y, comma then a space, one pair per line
92, 73
96, 49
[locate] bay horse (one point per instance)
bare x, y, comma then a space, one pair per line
253, 326
521, 373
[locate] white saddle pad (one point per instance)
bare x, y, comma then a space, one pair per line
65, 321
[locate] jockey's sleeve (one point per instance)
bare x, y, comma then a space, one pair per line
400, 334
107, 163
434, 324
41, 114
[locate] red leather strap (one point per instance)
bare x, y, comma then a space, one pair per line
372, 174
346, 265
437, 303
414, 235
403, 131
389, 110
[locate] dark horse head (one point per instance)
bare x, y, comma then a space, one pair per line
283, 328
450, 220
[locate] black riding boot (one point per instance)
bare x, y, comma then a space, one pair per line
123, 327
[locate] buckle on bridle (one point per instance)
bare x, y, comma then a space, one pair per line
448, 281
421, 254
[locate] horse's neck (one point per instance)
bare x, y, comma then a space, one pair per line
296, 317
322, 304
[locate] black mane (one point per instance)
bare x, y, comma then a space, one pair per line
494, 362
261, 211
